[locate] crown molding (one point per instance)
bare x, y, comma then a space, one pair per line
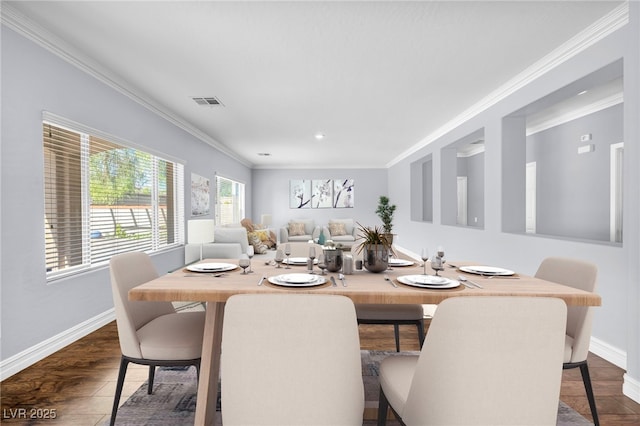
597, 31
604, 103
26, 27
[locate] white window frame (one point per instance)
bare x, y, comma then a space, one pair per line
237, 210
178, 196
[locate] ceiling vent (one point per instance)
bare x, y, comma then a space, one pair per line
208, 101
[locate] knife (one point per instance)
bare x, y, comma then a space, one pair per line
261, 279
333, 281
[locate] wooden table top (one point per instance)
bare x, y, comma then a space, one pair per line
362, 286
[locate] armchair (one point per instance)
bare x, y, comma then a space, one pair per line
299, 230
341, 231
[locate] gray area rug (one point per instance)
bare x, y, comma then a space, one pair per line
174, 398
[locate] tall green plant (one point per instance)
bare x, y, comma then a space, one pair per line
385, 212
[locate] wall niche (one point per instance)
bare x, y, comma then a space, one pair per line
422, 189
463, 181
563, 157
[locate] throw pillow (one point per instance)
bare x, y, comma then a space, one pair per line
337, 229
267, 237
263, 234
258, 246
296, 228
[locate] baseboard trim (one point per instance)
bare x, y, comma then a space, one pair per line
631, 388
30, 356
614, 355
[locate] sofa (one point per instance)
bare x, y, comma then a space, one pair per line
229, 242
341, 231
299, 230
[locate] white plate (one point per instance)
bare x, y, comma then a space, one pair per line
400, 262
297, 278
427, 279
287, 280
298, 261
486, 270
211, 267
449, 284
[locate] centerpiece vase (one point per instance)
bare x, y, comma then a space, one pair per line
376, 258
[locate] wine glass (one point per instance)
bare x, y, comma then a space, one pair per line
279, 257
287, 252
244, 263
250, 253
312, 256
424, 256
322, 263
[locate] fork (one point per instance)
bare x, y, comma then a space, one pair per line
386, 278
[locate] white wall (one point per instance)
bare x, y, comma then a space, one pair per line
617, 321
33, 80
271, 195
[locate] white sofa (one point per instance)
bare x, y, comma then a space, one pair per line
229, 243
346, 239
288, 233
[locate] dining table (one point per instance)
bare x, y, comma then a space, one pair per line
214, 288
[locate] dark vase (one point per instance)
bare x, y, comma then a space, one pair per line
376, 258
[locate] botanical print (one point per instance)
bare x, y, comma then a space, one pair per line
343, 193
322, 193
300, 194
199, 195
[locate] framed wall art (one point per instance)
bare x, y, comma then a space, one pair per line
343, 193
300, 194
200, 195
321, 193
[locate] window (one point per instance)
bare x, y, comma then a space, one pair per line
103, 198
229, 201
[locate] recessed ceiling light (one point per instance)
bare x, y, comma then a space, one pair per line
582, 93
319, 135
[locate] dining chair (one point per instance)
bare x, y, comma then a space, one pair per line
291, 359
150, 333
401, 314
582, 275
486, 361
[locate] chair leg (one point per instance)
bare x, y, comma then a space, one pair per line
420, 326
396, 330
152, 375
586, 378
383, 407
124, 363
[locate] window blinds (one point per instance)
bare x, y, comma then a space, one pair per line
104, 198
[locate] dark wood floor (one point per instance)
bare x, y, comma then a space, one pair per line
77, 383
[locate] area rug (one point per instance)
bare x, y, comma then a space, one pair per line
174, 398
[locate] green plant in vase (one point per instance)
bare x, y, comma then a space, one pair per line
385, 213
375, 246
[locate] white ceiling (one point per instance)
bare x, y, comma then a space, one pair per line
378, 78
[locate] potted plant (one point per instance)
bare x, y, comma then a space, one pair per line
375, 247
385, 212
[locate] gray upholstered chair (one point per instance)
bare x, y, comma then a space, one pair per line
396, 315
486, 361
578, 274
291, 359
299, 230
150, 333
341, 231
